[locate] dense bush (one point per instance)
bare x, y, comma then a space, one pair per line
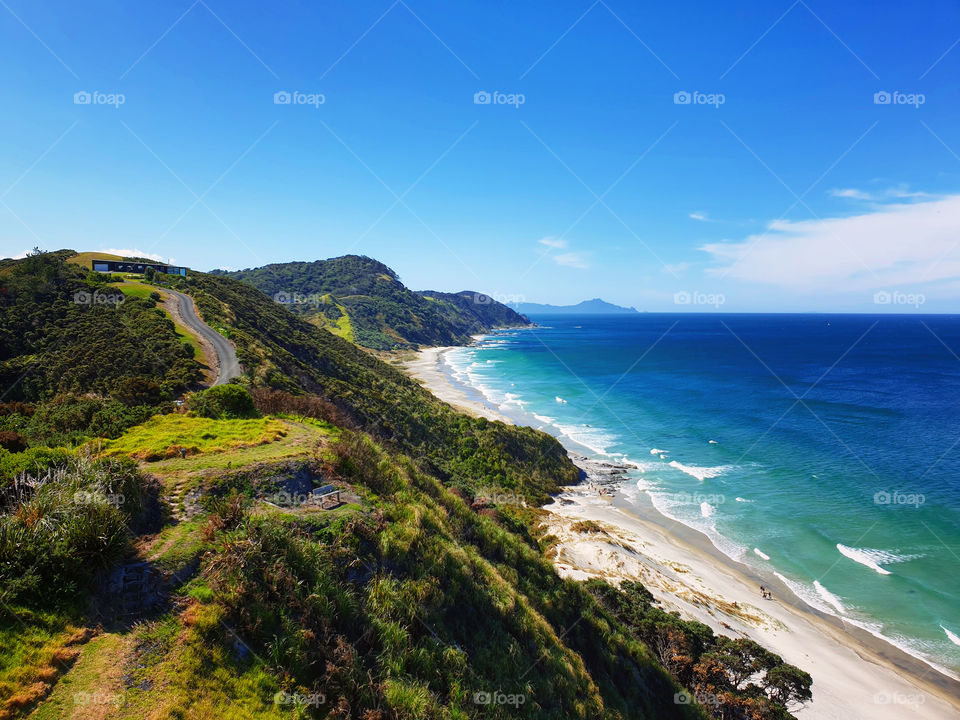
224, 402
63, 330
62, 526
35, 460
735, 678
278, 402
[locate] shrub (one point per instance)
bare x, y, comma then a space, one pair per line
35, 460
224, 402
12, 441
65, 525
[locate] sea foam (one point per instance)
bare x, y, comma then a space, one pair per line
761, 553
829, 596
872, 558
700, 473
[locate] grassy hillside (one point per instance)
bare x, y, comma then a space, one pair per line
278, 349
363, 300
176, 572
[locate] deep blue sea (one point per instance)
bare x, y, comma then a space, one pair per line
821, 448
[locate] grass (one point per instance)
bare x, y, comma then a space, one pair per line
299, 440
136, 289
163, 436
85, 259
93, 688
35, 647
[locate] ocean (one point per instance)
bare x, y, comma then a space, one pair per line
823, 449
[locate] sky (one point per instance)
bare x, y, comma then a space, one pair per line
759, 156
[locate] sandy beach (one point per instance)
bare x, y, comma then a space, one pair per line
856, 675
428, 370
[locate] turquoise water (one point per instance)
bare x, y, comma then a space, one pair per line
821, 448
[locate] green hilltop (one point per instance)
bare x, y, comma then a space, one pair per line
363, 300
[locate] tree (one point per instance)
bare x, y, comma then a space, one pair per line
149, 273
787, 684
224, 402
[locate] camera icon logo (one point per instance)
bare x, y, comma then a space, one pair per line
681, 298
281, 97
681, 98
82, 297
482, 698
482, 98
82, 98
481, 299
881, 298
881, 98
682, 698
282, 297
882, 498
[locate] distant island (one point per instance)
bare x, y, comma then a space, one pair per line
587, 307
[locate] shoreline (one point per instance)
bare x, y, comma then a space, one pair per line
428, 370
856, 674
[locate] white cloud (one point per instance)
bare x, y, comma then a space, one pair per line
135, 252
898, 192
701, 216
553, 242
571, 259
851, 194
896, 245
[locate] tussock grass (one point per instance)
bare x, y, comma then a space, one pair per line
163, 436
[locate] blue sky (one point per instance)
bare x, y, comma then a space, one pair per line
781, 185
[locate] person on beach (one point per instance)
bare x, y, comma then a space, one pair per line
763, 591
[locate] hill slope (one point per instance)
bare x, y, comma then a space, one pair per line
426, 594
363, 300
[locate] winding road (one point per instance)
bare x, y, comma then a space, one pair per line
227, 365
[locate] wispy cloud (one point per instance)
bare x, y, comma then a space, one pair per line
851, 194
893, 245
553, 242
898, 192
571, 259
701, 216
